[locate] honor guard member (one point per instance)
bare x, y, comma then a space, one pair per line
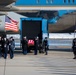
4, 47
7, 46
45, 42
74, 48
24, 45
11, 47
36, 42
0, 47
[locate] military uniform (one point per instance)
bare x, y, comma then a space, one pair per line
36, 42
24, 45
4, 47
0, 48
74, 48
45, 42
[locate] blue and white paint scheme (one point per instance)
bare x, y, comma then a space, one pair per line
62, 6
46, 4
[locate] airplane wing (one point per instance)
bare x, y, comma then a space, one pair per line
6, 2
7, 5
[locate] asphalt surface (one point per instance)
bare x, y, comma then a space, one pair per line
55, 63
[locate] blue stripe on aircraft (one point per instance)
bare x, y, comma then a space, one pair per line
44, 2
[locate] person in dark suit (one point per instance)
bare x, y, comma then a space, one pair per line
4, 47
74, 48
45, 42
11, 47
36, 41
0, 48
24, 45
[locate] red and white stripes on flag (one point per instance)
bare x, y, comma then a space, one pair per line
30, 42
11, 24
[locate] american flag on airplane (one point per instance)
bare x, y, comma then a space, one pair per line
11, 24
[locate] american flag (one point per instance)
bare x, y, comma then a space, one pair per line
30, 42
11, 24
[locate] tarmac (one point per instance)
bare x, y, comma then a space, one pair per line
55, 63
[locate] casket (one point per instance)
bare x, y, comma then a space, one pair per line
30, 42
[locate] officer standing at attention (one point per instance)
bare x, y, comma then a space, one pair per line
4, 47
11, 47
45, 42
36, 45
0, 48
74, 48
24, 45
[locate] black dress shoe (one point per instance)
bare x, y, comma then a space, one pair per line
74, 58
11, 57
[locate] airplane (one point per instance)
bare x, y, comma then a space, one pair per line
52, 10
46, 5
49, 9
41, 8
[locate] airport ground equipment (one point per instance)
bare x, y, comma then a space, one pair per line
33, 27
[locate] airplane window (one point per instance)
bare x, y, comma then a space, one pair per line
51, 1
64, 1
68, 1
73, 1
47, 1
38, 1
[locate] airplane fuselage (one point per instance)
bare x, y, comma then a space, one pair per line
46, 4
